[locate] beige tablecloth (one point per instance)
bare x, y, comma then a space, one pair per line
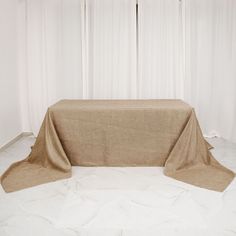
119, 133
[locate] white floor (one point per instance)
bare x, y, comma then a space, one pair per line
118, 202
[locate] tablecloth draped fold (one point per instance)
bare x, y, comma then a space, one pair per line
119, 133
191, 161
47, 161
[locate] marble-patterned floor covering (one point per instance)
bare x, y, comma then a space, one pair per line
118, 202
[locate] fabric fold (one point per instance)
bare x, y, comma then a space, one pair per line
191, 161
119, 133
47, 161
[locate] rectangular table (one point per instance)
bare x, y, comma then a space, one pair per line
119, 133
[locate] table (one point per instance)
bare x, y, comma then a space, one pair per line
119, 133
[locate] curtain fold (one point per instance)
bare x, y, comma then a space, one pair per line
111, 39
210, 63
54, 54
160, 49
112, 49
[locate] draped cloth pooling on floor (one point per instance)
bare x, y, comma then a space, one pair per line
119, 133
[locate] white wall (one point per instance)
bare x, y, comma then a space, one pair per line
10, 120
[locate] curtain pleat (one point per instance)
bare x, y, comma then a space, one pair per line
112, 49
54, 54
210, 62
160, 54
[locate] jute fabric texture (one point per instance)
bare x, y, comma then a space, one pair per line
119, 133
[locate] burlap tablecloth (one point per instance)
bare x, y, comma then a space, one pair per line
119, 133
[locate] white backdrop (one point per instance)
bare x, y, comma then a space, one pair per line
53, 55
210, 64
111, 39
105, 49
160, 49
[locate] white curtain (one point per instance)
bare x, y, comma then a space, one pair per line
160, 49
53, 57
210, 64
75, 49
112, 49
